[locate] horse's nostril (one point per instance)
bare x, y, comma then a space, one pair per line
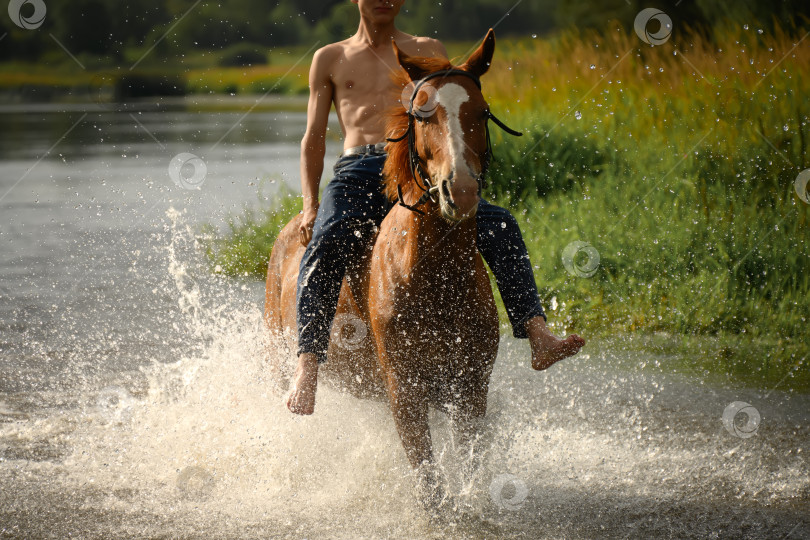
446, 194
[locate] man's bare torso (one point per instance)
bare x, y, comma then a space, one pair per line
362, 89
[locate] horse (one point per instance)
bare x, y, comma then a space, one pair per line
417, 321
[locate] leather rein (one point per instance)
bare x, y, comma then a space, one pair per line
420, 175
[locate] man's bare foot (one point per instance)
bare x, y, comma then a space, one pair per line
547, 349
301, 399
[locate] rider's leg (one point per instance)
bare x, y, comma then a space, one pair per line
501, 244
351, 207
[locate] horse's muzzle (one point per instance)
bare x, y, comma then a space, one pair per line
458, 198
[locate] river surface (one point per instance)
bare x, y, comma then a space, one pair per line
136, 401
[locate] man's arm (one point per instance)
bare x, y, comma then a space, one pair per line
313, 144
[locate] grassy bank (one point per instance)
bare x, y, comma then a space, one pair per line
280, 71
675, 165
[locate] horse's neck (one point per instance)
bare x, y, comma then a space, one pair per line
440, 246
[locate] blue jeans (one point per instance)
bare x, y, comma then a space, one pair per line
352, 206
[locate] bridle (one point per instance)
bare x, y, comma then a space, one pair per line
420, 175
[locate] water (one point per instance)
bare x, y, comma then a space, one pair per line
135, 398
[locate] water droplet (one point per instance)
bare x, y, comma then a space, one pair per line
593, 66
578, 115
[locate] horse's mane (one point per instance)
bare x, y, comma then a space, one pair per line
397, 170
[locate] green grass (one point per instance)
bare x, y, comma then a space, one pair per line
245, 248
666, 261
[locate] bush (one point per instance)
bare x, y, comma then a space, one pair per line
245, 248
545, 161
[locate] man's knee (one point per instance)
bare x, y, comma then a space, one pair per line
339, 237
497, 222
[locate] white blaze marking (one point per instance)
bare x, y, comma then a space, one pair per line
452, 96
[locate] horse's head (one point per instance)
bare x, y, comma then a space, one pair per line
442, 146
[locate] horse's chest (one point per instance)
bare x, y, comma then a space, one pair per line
441, 311
441, 327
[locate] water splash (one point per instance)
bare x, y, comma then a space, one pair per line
199, 444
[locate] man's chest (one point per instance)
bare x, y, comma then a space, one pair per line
364, 74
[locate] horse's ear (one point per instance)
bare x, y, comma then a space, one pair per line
479, 61
414, 71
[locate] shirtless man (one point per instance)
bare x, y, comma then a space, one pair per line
355, 75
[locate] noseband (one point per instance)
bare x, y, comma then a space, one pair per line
418, 171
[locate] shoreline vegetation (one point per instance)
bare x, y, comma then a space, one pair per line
232, 72
672, 166
676, 168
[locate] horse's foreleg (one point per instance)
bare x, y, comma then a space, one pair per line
468, 427
411, 420
466, 430
410, 413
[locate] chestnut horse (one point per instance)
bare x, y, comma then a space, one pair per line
416, 321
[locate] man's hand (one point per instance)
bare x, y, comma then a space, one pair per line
307, 222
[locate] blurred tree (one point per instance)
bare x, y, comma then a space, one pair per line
22, 45
134, 19
289, 25
211, 26
83, 26
110, 27
697, 14
593, 14
339, 24
760, 12
464, 20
